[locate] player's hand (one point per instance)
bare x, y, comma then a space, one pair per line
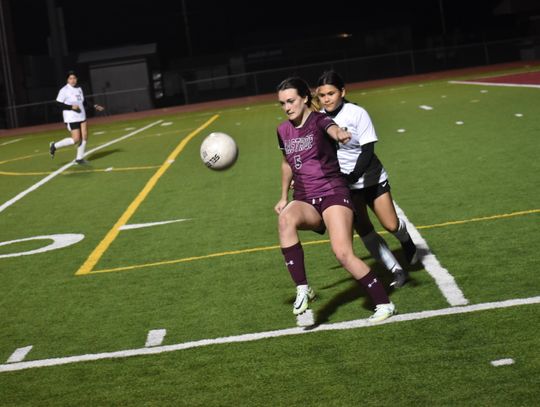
76, 108
343, 136
282, 203
99, 108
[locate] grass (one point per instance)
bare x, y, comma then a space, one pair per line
439, 171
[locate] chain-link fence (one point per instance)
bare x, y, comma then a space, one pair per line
364, 68
223, 86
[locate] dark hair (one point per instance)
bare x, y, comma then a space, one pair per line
300, 85
69, 73
331, 78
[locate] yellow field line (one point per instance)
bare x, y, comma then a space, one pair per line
460, 222
21, 158
148, 167
314, 242
102, 247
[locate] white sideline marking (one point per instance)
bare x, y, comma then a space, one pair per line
459, 122
97, 133
19, 354
306, 318
10, 142
164, 124
108, 169
442, 277
401, 130
60, 170
155, 337
502, 362
358, 323
147, 225
519, 115
425, 107
510, 85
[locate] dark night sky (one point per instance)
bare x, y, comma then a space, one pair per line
219, 26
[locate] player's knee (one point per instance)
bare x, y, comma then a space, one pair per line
344, 256
391, 226
286, 222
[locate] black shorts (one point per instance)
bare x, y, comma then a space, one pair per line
74, 125
369, 194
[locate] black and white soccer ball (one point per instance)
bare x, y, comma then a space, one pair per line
219, 151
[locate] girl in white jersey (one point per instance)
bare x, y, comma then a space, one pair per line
366, 176
71, 101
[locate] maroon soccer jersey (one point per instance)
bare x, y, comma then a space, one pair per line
312, 155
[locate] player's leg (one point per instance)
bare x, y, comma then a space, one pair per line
82, 143
297, 215
383, 207
339, 220
66, 142
374, 243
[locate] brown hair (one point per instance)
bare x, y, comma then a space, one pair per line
300, 85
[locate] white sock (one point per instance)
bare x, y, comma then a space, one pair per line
379, 251
80, 150
68, 141
401, 234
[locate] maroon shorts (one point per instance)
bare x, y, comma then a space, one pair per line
325, 202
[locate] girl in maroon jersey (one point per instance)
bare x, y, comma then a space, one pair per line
321, 195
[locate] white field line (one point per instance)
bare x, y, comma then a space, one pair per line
510, 85
60, 170
147, 225
10, 142
155, 337
442, 277
502, 362
358, 323
19, 354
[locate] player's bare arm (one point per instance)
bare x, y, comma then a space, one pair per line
339, 134
286, 179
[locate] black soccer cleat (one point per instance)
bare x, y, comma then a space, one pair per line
400, 278
52, 149
81, 162
411, 254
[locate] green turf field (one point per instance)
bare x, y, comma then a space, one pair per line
471, 189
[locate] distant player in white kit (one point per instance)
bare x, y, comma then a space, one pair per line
71, 101
367, 177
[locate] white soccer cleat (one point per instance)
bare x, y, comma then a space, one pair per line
304, 294
382, 312
305, 319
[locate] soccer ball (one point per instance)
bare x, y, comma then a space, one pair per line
219, 151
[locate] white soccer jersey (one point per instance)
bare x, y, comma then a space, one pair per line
358, 123
72, 96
